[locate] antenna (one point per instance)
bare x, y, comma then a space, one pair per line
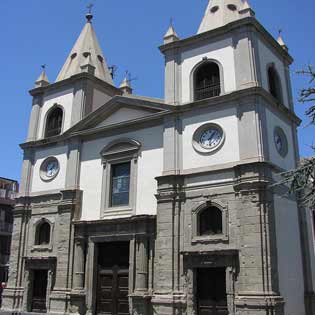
113, 69
90, 7
129, 77
171, 21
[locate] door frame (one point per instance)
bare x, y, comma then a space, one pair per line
92, 268
194, 261
37, 263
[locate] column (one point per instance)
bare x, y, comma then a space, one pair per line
78, 280
142, 264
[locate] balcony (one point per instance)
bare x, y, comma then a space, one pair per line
207, 92
7, 194
6, 228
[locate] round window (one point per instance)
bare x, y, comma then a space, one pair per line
49, 169
281, 142
208, 138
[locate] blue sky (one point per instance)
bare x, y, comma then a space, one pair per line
36, 32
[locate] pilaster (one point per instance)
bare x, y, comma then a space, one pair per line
26, 172
73, 164
172, 140
172, 76
168, 296
82, 100
246, 57
34, 118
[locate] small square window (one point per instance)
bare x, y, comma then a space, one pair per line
120, 184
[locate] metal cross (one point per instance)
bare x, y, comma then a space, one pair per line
171, 21
43, 67
89, 7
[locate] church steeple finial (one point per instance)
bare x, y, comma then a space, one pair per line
281, 41
86, 55
170, 35
42, 79
89, 15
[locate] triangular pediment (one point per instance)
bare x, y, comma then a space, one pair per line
124, 114
120, 110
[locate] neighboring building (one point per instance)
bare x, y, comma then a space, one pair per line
8, 190
137, 205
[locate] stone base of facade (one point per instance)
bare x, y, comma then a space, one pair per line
12, 300
259, 304
141, 303
59, 301
77, 302
169, 303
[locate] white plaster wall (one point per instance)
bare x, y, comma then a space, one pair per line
273, 121
124, 114
222, 51
99, 98
229, 151
289, 256
63, 98
150, 165
267, 56
58, 182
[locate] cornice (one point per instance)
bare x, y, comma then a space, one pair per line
71, 80
229, 28
236, 96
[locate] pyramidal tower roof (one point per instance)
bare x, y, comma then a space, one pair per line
222, 12
85, 49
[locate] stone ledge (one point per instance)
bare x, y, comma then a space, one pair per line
258, 301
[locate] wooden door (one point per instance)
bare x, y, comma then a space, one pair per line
112, 291
211, 292
39, 291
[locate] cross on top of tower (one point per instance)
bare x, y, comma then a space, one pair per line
89, 15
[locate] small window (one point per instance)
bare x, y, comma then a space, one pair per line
43, 234
207, 81
274, 83
210, 221
120, 184
54, 122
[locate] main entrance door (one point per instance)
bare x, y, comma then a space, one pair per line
113, 279
211, 292
39, 291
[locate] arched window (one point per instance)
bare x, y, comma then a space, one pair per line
54, 122
210, 221
274, 83
43, 234
207, 81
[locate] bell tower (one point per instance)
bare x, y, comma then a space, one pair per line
232, 88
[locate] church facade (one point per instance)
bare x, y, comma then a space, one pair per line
136, 205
